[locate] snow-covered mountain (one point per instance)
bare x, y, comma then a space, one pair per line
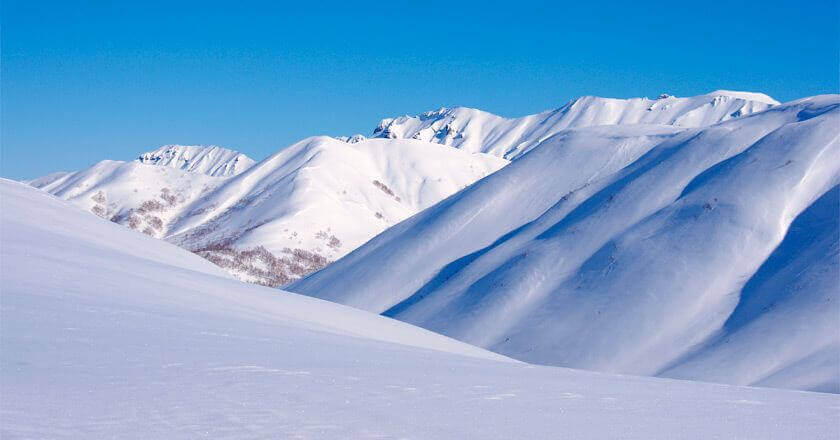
282, 218
707, 253
109, 334
213, 161
318, 199
312, 203
478, 131
143, 197
148, 193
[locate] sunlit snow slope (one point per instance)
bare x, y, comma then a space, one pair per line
638, 249
110, 334
318, 199
478, 131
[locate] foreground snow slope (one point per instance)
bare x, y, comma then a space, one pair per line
109, 334
478, 131
633, 249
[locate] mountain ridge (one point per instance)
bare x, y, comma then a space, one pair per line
620, 241
479, 131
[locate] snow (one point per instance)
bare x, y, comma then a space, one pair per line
478, 131
43, 181
214, 161
119, 190
313, 202
110, 334
306, 205
637, 249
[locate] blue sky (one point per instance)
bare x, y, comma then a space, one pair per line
85, 81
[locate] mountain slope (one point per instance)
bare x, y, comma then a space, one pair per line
109, 334
624, 250
318, 199
477, 131
140, 196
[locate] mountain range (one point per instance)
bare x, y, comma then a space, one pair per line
311, 203
677, 237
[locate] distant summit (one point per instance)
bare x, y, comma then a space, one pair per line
211, 160
479, 131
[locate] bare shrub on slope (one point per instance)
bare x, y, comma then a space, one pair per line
261, 266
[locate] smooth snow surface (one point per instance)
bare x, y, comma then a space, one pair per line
635, 249
478, 131
109, 334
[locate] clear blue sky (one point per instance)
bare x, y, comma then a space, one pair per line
84, 81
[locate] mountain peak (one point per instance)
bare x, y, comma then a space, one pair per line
746, 96
211, 160
478, 131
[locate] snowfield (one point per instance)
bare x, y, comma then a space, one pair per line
706, 253
107, 333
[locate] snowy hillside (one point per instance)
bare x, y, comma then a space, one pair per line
477, 131
282, 218
638, 249
110, 334
142, 197
316, 200
213, 161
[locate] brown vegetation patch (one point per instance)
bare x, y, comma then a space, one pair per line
261, 266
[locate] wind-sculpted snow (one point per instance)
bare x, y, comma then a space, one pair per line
643, 250
213, 161
477, 131
110, 334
